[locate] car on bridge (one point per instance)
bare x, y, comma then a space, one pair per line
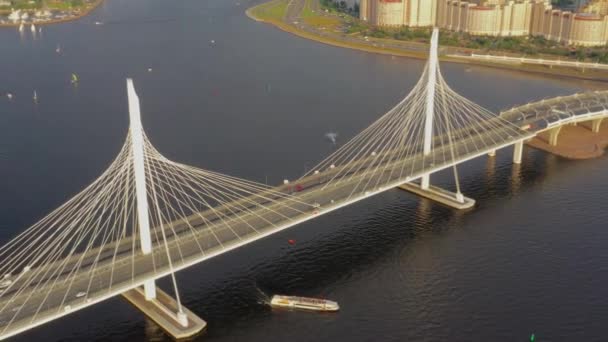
5, 283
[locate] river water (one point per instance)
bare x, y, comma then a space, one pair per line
256, 103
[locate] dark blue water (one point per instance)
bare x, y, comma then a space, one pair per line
530, 257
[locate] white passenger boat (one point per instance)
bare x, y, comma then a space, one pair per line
304, 303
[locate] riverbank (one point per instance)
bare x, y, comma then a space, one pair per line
277, 13
251, 13
74, 15
575, 142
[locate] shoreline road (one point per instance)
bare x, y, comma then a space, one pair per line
293, 17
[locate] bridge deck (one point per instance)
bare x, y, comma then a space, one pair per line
118, 269
118, 272
545, 114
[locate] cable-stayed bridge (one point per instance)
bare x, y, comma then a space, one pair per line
147, 217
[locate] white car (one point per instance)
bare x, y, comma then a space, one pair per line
5, 283
81, 294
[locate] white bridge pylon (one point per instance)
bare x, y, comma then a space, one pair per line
433, 126
433, 66
137, 145
143, 218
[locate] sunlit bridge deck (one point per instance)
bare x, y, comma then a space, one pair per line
548, 113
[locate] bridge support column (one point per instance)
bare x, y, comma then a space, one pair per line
518, 149
430, 101
425, 182
161, 310
425, 189
596, 124
492, 153
553, 134
167, 312
150, 289
141, 196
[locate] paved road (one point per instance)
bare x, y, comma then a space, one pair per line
538, 61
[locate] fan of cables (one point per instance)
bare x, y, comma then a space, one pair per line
90, 247
392, 148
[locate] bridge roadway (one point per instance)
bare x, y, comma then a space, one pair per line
546, 114
118, 269
114, 275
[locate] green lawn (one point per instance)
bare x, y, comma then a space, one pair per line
307, 10
271, 11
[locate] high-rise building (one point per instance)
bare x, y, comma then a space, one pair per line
414, 13
583, 29
496, 18
502, 18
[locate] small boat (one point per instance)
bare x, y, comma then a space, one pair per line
74, 79
35, 96
33, 28
58, 49
303, 303
9, 95
98, 23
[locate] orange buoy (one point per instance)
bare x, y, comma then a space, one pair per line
291, 241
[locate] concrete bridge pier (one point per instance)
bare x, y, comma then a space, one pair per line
162, 310
518, 150
595, 125
454, 200
553, 134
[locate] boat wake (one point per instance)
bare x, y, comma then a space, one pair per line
262, 297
